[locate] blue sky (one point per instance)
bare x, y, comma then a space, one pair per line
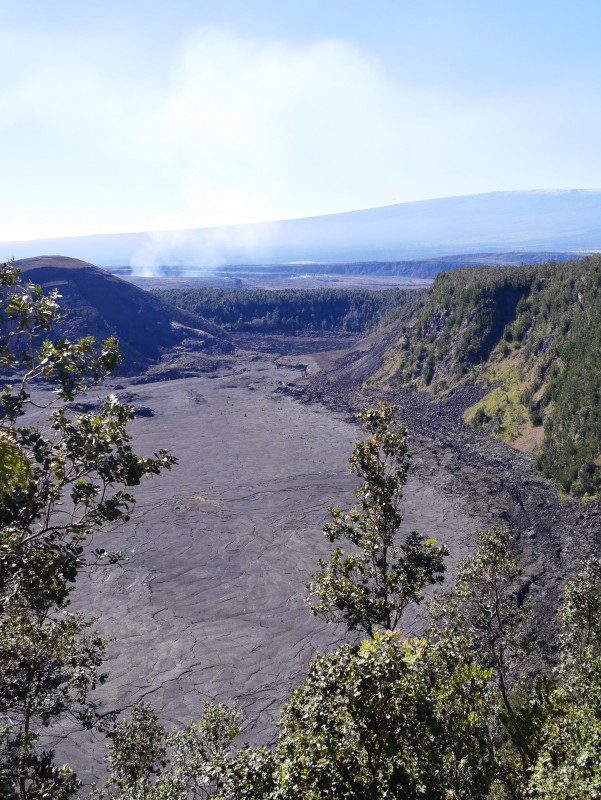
122, 116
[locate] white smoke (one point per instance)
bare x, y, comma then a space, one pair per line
203, 248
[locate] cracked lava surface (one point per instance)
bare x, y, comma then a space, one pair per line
208, 601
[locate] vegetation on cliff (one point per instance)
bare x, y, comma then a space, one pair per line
531, 335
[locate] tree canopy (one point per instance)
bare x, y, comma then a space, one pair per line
290, 310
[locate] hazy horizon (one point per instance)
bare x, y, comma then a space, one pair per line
575, 189
550, 221
140, 116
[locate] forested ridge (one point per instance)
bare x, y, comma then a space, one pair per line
531, 335
289, 310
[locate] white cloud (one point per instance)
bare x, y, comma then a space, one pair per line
267, 129
225, 129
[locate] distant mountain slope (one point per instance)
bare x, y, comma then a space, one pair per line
96, 303
530, 337
486, 223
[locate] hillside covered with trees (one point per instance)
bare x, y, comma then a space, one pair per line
289, 310
530, 336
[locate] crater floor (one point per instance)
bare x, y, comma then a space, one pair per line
208, 601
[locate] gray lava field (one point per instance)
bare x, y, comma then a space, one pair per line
208, 600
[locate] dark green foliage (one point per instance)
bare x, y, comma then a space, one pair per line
137, 750
147, 762
564, 345
370, 587
573, 431
464, 314
388, 718
492, 626
568, 766
289, 310
481, 419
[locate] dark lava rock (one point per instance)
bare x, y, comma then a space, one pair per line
99, 304
143, 411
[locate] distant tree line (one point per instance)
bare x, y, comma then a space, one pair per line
289, 310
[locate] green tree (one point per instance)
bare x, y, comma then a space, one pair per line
61, 478
487, 620
147, 762
388, 718
370, 587
568, 766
